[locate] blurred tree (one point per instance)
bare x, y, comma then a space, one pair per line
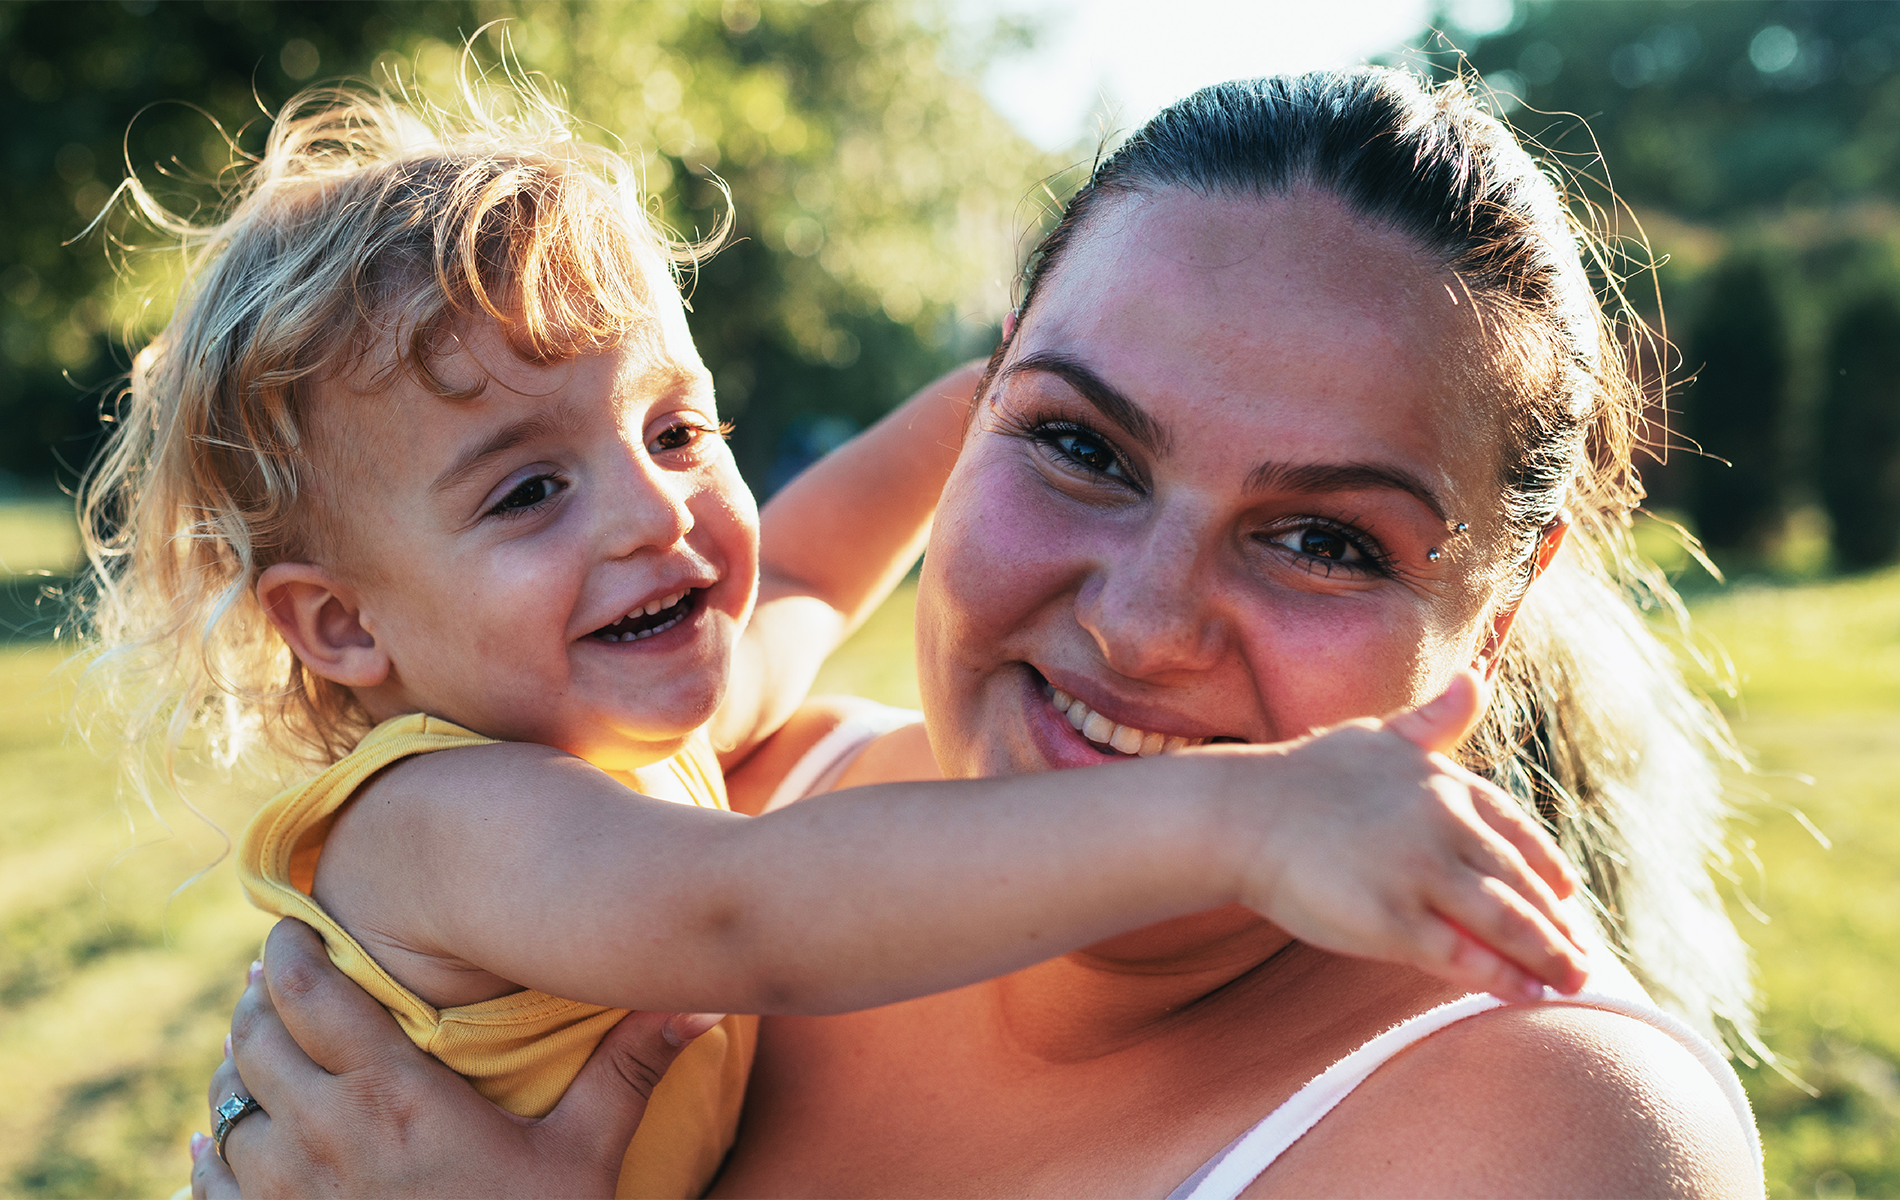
877, 191
1736, 409
76, 76
1708, 109
1858, 475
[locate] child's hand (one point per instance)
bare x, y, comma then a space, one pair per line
1387, 849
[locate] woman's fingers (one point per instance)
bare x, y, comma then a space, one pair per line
210, 1178
209, 1175
331, 1022
275, 1069
604, 1104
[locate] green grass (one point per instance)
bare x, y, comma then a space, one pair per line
114, 995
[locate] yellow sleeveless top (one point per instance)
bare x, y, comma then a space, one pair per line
521, 1050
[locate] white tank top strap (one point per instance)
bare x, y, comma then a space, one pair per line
832, 754
1243, 1160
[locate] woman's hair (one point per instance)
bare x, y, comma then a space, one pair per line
1592, 726
349, 250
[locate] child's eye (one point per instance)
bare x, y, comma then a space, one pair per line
683, 434
527, 494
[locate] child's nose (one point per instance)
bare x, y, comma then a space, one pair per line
648, 508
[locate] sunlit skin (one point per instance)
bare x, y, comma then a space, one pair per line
1232, 539
1176, 590
478, 579
1167, 592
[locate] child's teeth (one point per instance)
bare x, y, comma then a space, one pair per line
1060, 699
1174, 743
1151, 744
1127, 740
1097, 728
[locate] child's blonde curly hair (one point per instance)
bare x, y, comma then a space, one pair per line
369, 226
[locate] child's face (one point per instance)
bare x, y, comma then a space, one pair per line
567, 558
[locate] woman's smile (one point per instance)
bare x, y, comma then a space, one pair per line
1068, 731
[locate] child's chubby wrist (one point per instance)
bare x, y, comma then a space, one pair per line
1241, 792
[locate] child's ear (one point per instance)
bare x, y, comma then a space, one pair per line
322, 622
1490, 655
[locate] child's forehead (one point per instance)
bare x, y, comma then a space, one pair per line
390, 417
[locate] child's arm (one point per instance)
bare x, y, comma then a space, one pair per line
833, 543
532, 867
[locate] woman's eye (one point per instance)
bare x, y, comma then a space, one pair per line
527, 494
1085, 450
1325, 543
1323, 546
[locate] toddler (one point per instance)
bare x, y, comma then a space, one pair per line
423, 484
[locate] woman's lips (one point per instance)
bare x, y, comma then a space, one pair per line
1103, 732
1063, 740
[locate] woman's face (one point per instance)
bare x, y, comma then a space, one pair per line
1236, 478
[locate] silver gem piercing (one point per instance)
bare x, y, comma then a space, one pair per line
1432, 554
1460, 527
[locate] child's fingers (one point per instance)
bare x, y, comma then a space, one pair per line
1441, 723
1478, 969
1487, 911
1442, 947
1490, 853
1533, 842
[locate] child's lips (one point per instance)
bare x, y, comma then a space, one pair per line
650, 619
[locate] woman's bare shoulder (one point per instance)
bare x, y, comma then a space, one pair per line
1543, 1100
890, 758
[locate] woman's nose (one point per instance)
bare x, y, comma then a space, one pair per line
1152, 605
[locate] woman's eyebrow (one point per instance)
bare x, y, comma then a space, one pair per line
1341, 477
1107, 399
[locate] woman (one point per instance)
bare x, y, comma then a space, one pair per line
1308, 390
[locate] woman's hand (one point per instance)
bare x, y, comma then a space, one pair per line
352, 1107
1396, 852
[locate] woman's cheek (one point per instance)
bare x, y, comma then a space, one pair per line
1322, 659
1006, 545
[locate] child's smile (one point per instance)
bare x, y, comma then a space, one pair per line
565, 557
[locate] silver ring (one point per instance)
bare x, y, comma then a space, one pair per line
234, 1109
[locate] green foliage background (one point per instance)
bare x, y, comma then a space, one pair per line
881, 206
878, 195
1757, 145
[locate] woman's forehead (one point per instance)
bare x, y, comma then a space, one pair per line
1335, 326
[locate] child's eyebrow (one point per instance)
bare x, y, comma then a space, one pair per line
527, 429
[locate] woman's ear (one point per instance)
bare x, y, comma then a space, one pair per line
321, 621
1490, 655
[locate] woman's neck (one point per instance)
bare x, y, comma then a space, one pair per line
1129, 989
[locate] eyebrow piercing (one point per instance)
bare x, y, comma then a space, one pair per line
1432, 554
1460, 527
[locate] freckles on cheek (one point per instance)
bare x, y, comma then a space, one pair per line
1322, 660
1011, 543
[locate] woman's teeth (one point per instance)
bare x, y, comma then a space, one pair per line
1104, 732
